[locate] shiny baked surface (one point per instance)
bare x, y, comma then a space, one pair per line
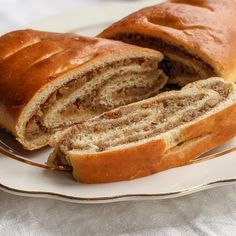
205, 29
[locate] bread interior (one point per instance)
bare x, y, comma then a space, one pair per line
95, 91
154, 118
181, 66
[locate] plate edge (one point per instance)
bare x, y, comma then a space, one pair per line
124, 197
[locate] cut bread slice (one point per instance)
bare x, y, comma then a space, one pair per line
149, 136
50, 81
196, 37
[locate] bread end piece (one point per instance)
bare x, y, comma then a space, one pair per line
62, 74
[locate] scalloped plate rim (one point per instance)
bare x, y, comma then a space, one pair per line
118, 198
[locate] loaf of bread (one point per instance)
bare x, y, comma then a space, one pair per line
166, 131
197, 37
49, 81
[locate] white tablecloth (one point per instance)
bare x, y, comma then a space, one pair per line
211, 212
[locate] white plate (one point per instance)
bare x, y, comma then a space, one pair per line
19, 178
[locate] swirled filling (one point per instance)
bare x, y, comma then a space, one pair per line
95, 92
146, 119
179, 65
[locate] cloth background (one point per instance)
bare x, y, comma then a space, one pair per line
211, 212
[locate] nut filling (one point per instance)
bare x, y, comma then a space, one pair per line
144, 120
93, 93
179, 65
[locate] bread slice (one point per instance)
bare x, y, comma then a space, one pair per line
196, 37
50, 81
149, 136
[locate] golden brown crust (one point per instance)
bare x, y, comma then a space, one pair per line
206, 29
153, 157
30, 60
